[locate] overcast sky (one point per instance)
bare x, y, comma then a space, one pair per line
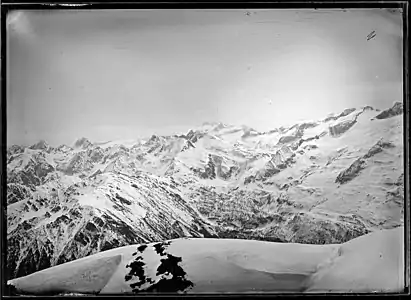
119, 74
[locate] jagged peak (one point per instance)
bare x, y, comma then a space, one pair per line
216, 125
82, 143
397, 104
334, 116
14, 146
63, 146
154, 138
40, 145
347, 111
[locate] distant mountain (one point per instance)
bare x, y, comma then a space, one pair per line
316, 182
82, 143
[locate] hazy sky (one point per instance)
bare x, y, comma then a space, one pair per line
124, 74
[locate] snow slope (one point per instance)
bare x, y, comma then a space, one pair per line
374, 262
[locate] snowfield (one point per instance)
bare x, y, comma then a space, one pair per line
371, 263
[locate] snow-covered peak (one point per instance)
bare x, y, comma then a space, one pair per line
64, 148
213, 126
82, 143
368, 107
14, 149
40, 145
126, 143
154, 139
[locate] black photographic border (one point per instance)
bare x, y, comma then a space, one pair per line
8, 6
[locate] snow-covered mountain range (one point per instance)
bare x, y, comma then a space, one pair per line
317, 182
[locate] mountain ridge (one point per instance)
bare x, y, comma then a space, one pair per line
217, 180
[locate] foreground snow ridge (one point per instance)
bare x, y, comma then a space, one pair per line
370, 263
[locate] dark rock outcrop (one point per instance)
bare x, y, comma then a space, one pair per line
351, 172
14, 149
340, 128
83, 143
359, 164
170, 266
346, 112
291, 138
41, 145
17, 192
395, 110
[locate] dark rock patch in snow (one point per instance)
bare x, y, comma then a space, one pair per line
137, 270
91, 227
340, 128
172, 275
17, 192
291, 138
346, 112
309, 147
41, 145
82, 143
396, 110
56, 208
359, 164
249, 179
351, 172
378, 147
177, 283
123, 200
161, 247
396, 194
141, 248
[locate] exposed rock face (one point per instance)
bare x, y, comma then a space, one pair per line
34, 171
351, 172
17, 192
346, 112
346, 120
80, 162
342, 127
83, 143
395, 195
291, 138
286, 184
12, 150
95, 154
359, 164
396, 110
41, 145
171, 277
368, 107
